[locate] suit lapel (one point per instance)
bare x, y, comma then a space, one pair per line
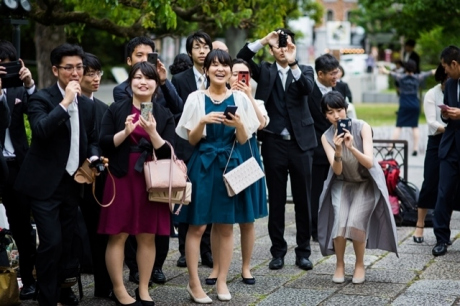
273, 74
11, 98
190, 81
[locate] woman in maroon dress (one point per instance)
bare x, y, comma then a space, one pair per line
127, 139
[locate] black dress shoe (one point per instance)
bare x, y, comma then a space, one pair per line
181, 262
27, 292
303, 263
143, 303
276, 263
67, 297
206, 259
134, 278
210, 281
248, 281
440, 249
158, 277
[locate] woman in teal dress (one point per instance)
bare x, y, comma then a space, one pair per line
204, 125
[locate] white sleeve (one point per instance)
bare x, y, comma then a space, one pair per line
263, 110
429, 107
191, 115
247, 113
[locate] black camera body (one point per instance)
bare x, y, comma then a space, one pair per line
282, 40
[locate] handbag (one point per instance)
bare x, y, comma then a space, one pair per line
87, 175
243, 176
165, 177
9, 289
177, 197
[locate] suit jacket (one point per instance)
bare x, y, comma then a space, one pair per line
114, 121
46, 160
296, 96
343, 88
99, 109
184, 83
321, 124
17, 100
166, 96
4, 123
452, 134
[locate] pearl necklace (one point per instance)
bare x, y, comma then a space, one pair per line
216, 101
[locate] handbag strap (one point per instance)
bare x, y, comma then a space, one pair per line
230, 156
114, 190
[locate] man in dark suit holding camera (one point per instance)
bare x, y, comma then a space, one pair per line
63, 136
288, 140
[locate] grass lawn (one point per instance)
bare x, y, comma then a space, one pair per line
377, 114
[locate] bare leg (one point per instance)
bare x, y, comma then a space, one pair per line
396, 133
145, 258
192, 254
225, 232
247, 245
114, 257
215, 248
359, 248
421, 215
416, 137
339, 247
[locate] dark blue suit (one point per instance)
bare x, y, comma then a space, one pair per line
449, 169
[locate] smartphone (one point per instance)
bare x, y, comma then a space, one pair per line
282, 40
343, 124
11, 78
152, 58
443, 107
243, 76
230, 109
146, 108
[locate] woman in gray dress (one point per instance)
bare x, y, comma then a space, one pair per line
354, 203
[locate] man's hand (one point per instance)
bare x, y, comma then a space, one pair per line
26, 76
291, 52
71, 91
452, 113
162, 72
97, 164
272, 39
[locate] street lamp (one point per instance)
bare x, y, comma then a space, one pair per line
15, 11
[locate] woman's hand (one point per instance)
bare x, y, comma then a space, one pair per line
213, 117
338, 140
241, 86
150, 126
129, 125
348, 139
234, 122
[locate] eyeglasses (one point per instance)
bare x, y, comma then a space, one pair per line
72, 68
205, 48
93, 74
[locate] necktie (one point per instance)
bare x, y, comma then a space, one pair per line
283, 79
72, 162
202, 81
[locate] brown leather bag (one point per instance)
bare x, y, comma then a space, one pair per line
87, 175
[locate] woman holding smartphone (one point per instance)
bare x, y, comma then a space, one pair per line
355, 196
128, 139
240, 81
205, 126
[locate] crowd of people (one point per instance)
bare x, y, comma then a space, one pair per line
293, 114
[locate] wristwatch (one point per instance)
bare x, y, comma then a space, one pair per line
293, 64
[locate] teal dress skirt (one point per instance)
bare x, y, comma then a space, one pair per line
210, 201
257, 192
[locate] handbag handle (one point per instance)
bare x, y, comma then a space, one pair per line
114, 190
230, 156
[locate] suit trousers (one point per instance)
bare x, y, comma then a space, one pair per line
319, 172
205, 244
283, 157
18, 212
449, 176
56, 219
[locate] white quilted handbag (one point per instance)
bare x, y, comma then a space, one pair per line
243, 176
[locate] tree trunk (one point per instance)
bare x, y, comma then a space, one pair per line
235, 39
46, 39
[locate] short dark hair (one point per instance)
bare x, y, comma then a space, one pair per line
146, 69
91, 62
137, 41
221, 56
7, 51
65, 50
449, 54
288, 32
410, 66
181, 63
242, 61
326, 63
440, 75
197, 36
333, 99
343, 71
410, 43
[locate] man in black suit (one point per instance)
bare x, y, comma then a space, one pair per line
90, 209
137, 50
198, 45
14, 144
63, 136
288, 140
327, 69
449, 151
410, 54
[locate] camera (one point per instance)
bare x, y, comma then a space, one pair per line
282, 40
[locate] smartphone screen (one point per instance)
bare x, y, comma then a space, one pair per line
146, 108
230, 109
343, 123
11, 78
152, 58
243, 76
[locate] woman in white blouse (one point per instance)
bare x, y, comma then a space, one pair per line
436, 127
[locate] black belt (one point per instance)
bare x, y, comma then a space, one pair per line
10, 158
283, 137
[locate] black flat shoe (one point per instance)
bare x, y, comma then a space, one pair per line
143, 303
248, 281
210, 281
418, 239
117, 302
